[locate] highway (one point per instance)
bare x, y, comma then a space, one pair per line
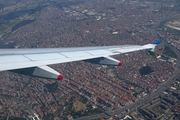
147, 98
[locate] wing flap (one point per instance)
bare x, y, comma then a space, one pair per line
100, 52
74, 54
128, 49
16, 65
39, 57
13, 59
11, 65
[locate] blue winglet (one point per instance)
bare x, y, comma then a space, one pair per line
157, 42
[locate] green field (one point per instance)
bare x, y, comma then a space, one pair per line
170, 30
10, 24
17, 19
20, 24
162, 23
169, 52
2, 28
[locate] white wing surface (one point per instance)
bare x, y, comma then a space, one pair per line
12, 59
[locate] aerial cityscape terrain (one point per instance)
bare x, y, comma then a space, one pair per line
144, 88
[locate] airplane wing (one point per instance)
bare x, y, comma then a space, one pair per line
34, 62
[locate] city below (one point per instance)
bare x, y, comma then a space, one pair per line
145, 87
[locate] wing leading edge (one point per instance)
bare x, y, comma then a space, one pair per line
18, 60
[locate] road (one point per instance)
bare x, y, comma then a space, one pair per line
147, 98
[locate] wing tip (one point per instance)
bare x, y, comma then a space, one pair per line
157, 42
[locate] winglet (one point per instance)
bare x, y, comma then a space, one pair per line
157, 42
151, 52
